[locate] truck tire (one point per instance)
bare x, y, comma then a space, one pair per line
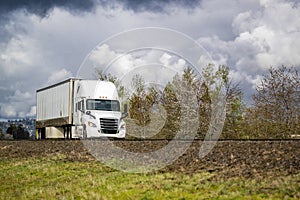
84, 133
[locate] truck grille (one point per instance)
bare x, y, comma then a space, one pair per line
109, 126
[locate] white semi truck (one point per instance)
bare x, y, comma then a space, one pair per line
78, 108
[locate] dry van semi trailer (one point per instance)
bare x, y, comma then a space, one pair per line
78, 108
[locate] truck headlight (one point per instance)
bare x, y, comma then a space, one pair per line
123, 126
91, 124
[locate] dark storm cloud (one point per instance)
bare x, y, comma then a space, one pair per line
42, 7
157, 5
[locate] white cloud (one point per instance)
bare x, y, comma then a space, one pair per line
58, 76
165, 59
19, 55
274, 31
119, 64
16, 110
249, 36
20, 96
102, 55
31, 112
266, 37
17, 105
172, 62
244, 22
8, 111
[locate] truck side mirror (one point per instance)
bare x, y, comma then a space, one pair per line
125, 113
125, 108
89, 113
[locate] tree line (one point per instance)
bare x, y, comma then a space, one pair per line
273, 113
18, 132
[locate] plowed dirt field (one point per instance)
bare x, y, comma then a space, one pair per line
228, 159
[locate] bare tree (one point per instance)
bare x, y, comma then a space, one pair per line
276, 102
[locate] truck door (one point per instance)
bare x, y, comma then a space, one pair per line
79, 109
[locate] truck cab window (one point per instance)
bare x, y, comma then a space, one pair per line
80, 105
105, 105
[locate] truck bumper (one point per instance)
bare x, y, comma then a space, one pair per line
94, 133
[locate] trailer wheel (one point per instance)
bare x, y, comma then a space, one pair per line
84, 133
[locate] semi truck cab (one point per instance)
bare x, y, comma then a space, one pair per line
97, 110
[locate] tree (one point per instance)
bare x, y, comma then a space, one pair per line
106, 77
171, 104
234, 104
235, 108
18, 132
179, 100
204, 103
276, 102
145, 119
141, 101
11, 129
206, 87
215, 81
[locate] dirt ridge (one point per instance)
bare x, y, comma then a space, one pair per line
228, 158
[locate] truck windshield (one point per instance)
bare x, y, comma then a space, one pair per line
98, 104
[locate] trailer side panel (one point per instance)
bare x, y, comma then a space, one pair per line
54, 105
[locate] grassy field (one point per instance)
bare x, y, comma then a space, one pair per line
54, 177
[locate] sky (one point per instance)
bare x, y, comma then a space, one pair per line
43, 42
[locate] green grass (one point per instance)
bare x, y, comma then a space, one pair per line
55, 177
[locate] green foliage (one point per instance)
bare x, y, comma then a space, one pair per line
184, 86
139, 108
204, 110
141, 101
106, 77
190, 78
177, 100
54, 177
235, 108
274, 114
172, 107
216, 81
138, 83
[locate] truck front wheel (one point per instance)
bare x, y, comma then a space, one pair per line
84, 133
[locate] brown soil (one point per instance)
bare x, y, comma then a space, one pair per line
246, 159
